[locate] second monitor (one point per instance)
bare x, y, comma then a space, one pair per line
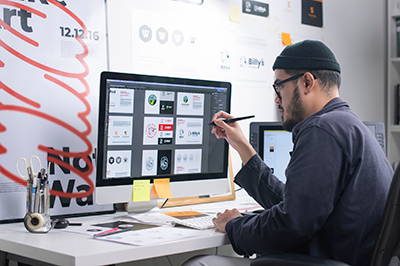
273, 144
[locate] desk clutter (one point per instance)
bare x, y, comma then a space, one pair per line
138, 229
125, 230
160, 226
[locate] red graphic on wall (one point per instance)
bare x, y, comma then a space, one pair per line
33, 108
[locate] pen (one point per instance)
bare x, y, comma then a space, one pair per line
111, 232
231, 120
33, 201
105, 232
164, 203
29, 189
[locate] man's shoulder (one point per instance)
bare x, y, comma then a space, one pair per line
337, 119
337, 123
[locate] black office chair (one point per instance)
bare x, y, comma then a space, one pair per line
386, 246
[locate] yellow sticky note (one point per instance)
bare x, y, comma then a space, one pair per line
286, 39
161, 186
235, 14
141, 190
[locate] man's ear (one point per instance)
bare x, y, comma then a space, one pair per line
309, 82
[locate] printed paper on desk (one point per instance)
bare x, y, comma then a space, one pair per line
85, 229
141, 190
156, 218
161, 188
153, 236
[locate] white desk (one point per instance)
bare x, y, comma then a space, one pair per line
62, 248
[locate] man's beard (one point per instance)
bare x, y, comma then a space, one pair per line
296, 111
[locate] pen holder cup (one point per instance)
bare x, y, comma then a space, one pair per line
37, 223
37, 218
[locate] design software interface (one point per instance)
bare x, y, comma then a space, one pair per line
157, 129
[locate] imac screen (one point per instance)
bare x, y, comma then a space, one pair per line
157, 127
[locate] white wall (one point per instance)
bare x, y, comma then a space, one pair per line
356, 32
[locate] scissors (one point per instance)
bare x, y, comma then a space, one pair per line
29, 172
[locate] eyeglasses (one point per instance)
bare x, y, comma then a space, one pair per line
277, 86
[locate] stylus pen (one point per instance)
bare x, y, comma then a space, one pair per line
231, 120
111, 232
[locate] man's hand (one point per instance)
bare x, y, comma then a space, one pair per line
234, 135
223, 218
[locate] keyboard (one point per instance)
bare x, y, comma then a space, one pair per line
200, 223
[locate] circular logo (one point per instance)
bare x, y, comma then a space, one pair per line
152, 100
118, 160
225, 56
164, 163
185, 99
111, 160
149, 164
185, 158
179, 158
151, 130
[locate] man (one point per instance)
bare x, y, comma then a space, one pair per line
337, 179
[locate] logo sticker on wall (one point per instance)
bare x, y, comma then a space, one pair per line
177, 38
311, 12
162, 35
255, 8
145, 33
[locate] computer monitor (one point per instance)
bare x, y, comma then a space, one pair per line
274, 144
157, 127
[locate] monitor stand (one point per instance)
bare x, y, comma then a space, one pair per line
140, 206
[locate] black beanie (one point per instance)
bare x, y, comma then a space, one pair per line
308, 55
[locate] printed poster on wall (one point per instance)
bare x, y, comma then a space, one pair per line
51, 56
